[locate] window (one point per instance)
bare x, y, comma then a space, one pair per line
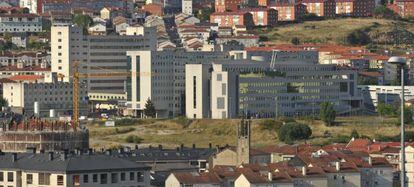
224, 89
60, 180
10, 177
104, 178
131, 176
59, 40
122, 176
219, 77
29, 178
76, 181
85, 178
1, 176
44, 178
140, 177
220, 103
95, 178
114, 177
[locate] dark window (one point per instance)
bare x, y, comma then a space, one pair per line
29, 178
60, 180
194, 92
131, 176
95, 178
114, 177
1, 176
122, 176
104, 178
140, 177
10, 177
85, 178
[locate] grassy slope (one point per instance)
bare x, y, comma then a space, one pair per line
171, 133
327, 31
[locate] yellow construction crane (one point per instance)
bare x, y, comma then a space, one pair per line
77, 76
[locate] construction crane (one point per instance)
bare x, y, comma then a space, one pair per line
77, 76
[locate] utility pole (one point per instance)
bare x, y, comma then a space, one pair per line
276, 109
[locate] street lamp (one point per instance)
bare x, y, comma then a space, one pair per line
400, 62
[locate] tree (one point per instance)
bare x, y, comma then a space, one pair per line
294, 131
382, 12
354, 134
149, 110
385, 109
295, 41
3, 102
358, 37
327, 113
408, 115
82, 21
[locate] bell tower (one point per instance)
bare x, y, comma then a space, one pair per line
243, 141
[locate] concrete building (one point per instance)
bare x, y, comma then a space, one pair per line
373, 95
34, 6
289, 11
27, 58
278, 91
55, 95
103, 58
321, 8
263, 16
20, 23
160, 76
70, 169
231, 19
187, 7
227, 5
355, 8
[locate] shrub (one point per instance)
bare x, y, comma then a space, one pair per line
294, 131
133, 139
327, 113
270, 124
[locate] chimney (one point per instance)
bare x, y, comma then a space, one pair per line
338, 166
14, 157
270, 176
160, 147
50, 156
370, 161
304, 171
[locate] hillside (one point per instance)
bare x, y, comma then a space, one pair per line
380, 31
172, 133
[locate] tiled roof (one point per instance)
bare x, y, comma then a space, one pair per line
196, 178
26, 77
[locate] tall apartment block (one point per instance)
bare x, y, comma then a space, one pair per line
102, 58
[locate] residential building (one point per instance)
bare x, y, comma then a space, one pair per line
103, 58
154, 9
404, 8
34, 6
289, 11
263, 16
355, 8
179, 179
230, 19
20, 23
187, 7
409, 155
321, 8
26, 92
70, 169
20, 41
27, 58
20, 69
97, 29
227, 5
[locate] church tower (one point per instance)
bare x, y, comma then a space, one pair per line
243, 142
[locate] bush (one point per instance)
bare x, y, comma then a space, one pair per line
354, 134
294, 131
271, 125
358, 37
133, 139
327, 113
408, 115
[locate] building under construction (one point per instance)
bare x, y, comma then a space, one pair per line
18, 135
